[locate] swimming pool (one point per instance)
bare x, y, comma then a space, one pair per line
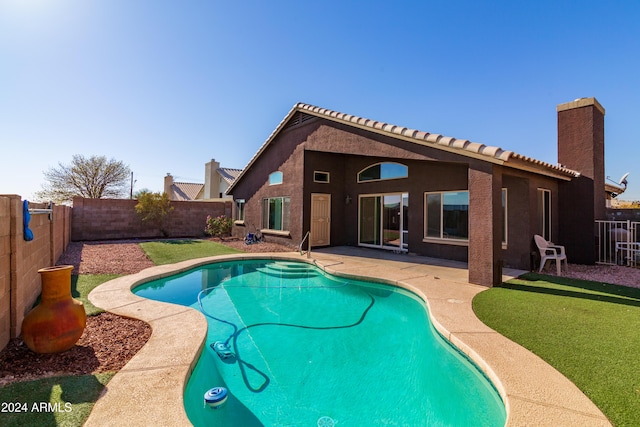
313, 349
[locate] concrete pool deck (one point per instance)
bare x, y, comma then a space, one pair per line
148, 390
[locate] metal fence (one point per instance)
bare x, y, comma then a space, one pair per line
618, 243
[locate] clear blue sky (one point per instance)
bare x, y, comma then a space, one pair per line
164, 86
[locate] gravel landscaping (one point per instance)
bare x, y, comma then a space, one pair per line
616, 274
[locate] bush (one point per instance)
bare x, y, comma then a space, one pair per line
153, 209
218, 226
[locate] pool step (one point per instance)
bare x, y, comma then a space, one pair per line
289, 270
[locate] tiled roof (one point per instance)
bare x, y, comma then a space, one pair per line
463, 147
185, 191
614, 189
229, 175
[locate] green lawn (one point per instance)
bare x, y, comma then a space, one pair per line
589, 331
82, 285
171, 251
56, 401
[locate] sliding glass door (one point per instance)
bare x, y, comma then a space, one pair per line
370, 224
384, 220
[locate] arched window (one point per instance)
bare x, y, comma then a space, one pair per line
275, 178
382, 171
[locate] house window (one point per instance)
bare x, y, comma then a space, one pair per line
275, 213
319, 176
275, 178
447, 215
382, 171
544, 213
239, 210
504, 217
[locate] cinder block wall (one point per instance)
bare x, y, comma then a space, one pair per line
20, 260
61, 230
27, 258
104, 219
5, 271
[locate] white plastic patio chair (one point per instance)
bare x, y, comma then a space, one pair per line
550, 251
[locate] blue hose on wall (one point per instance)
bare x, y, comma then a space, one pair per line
26, 217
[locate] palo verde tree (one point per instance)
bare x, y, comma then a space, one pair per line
153, 209
94, 178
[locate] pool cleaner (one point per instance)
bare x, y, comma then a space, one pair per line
215, 397
222, 350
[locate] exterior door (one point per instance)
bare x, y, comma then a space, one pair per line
320, 219
383, 221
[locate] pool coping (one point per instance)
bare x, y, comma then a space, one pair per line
148, 389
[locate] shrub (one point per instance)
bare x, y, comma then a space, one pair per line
153, 209
218, 226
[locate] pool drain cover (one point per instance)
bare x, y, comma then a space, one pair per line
326, 422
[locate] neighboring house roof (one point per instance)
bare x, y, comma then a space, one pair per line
185, 191
614, 190
229, 175
302, 112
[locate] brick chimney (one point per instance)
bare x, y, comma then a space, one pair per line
582, 200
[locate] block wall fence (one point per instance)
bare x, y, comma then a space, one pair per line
20, 260
104, 219
88, 219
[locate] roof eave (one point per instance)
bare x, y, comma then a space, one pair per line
465, 148
264, 146
614, 189
542, 168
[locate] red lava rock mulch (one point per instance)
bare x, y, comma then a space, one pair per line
120, 257
109, 341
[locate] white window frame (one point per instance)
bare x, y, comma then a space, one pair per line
272, 178
239, 214
265, 227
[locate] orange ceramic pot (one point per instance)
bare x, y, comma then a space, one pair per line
57, 323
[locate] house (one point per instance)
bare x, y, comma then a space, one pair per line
353, 181
216, 182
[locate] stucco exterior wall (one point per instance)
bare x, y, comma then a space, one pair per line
343, 152
286, 155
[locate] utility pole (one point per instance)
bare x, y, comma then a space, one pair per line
131, 191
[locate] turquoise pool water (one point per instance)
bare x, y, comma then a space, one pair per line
311, 349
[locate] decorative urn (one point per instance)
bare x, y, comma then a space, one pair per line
57, 322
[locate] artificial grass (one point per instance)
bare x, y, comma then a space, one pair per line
589, 331
55, 401
171, 251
